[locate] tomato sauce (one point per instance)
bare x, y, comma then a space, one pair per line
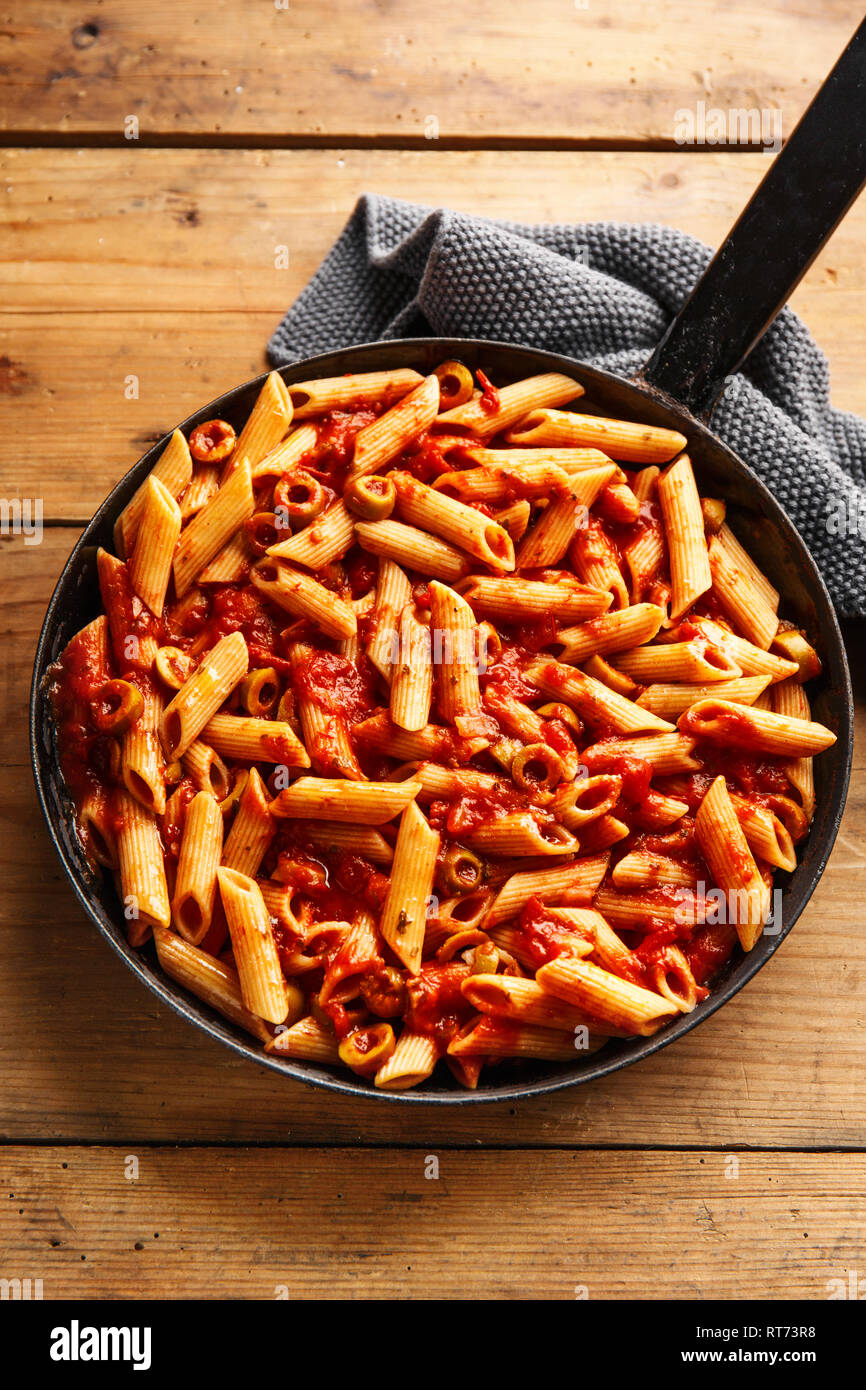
437, 1007
331, 885
337, 684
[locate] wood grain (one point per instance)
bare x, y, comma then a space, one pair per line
577, 71
87, 1053
319, 1223
170, 275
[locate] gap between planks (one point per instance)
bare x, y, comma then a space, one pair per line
259, 140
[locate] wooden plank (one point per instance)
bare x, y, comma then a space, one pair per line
576, 71
171, 274
319, 1223
87, 1054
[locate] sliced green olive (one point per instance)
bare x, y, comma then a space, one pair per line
299, 496
485, 959
263, 530
461, 871
116, 707
239, 777
370, 497
367, 1048
259, 691
212, 442
537, 768
173, 666
455, 384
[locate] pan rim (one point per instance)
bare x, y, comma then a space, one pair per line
193, 1011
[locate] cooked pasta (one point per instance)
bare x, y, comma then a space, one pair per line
501, 776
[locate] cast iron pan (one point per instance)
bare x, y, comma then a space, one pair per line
807, 190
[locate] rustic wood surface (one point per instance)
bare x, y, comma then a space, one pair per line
375, 1223
371, 69
160, 263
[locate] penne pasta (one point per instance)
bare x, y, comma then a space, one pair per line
790, 701
725, 848
246, 739
412, 679
196, 883
411, 1062
620, 439
610, 632
380, 442
684, 531
393, 592
150, 566
174, 471
479, 418
268, 422
327, 538
287, 455
569, 882
263, 988
428, 719
368, 803
743, 600
757, 730
605, 996
142, 869
507, 599
209, 979
413, 549
452, 633
200, 697
453, 521
678, 661
592, 700
202, 539
354, 389
303, 596
252, 830
670, 701
405, 909
561, 520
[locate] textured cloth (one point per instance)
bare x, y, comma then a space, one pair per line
602, 292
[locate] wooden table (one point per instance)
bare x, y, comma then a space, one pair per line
730, 1165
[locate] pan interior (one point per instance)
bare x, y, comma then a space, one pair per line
753, 514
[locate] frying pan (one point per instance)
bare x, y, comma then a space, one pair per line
807, 190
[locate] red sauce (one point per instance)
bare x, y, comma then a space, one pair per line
708, 950
243, 610
75, 681
362, 572
543, 937
472, 809
335, 683
128, 617
636, 773
489, 398
334, 884
425, 458
507, 677
437, 1006
331, 457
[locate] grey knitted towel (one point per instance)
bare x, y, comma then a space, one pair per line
602, 292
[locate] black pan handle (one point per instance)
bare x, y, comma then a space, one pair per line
803, 196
